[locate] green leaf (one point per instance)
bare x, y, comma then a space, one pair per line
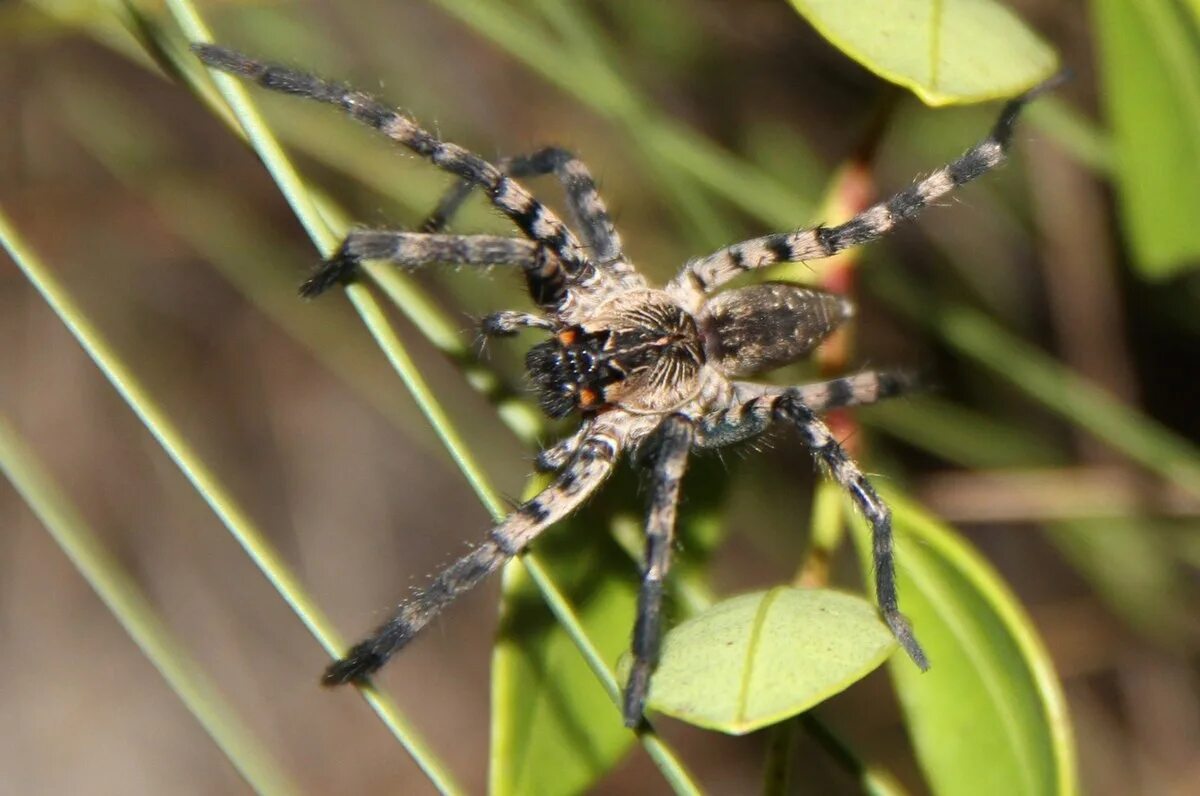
1150, 62
760, 658
945, 51
555, 728
989, 717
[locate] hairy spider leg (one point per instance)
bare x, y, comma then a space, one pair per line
847, 474
591, 465
416, 250
754, 410
534, 219
673, 440
506, 323
583, 200
555, 457
705, 274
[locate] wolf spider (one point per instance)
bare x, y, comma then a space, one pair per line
648, 369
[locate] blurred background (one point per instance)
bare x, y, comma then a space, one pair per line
174, 241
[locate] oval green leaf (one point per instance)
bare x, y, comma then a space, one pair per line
989, 717
757, 659
947, 52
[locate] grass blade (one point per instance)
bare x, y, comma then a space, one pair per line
131, 608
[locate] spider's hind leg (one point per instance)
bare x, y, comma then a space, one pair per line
846, 472
754, 408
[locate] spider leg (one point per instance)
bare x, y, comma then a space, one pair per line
843, 469
707, 273
588, 469
534, 219
583, 200
554, 458
506, 323
754, 405
673, 441
415, 250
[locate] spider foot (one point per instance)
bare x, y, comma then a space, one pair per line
227, 60
341, 268
634, 705
356, 667
902, 630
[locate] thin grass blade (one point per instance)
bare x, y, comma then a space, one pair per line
243, 529
131, 608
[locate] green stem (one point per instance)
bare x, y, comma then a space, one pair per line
875, 781
781, 756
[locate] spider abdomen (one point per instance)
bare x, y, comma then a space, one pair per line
761, 327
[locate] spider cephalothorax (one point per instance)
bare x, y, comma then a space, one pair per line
647, 368
640, 351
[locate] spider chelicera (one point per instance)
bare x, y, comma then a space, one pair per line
652, 370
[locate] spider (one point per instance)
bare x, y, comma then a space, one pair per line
651, 371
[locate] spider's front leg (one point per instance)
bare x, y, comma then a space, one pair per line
507, 323
672, 441
562, 250
417, 250
556, 457
587, 470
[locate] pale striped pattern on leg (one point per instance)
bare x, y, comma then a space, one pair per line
673, 440
842, 469
590, 466
415, 250
531, 217
753, 407
583, 200
707, 273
